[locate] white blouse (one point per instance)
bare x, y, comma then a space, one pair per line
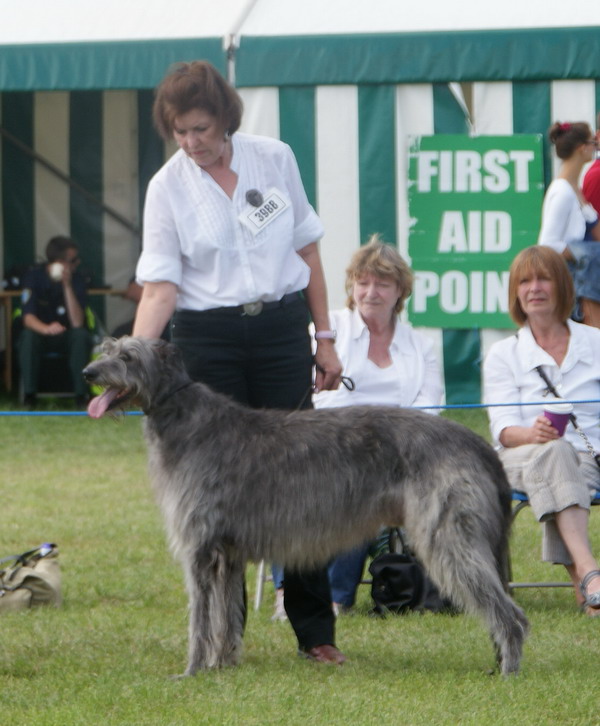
563, 217
413, 379
510, 376
195, 236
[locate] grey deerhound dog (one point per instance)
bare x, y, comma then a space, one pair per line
237, 484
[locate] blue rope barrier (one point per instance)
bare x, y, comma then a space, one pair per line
446, 406
61, 413
510, 403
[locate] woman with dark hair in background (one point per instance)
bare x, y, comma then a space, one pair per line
569, 222
591, 180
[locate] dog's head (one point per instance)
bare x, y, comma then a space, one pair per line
134, 370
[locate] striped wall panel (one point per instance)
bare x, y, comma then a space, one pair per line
350, 142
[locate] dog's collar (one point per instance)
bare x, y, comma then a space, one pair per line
164, 398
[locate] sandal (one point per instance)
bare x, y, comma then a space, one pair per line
592, 600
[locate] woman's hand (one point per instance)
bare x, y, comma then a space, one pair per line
540, 432
328, 367
543, 431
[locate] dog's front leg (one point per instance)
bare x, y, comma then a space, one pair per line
215, 583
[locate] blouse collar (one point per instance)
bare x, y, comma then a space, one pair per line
359, 329
532, 355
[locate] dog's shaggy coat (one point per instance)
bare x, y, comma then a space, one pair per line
237, 484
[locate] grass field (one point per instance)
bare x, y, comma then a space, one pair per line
106, 655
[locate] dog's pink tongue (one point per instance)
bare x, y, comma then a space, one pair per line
98, 405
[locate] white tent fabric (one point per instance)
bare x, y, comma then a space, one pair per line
315, 17
69, 21
66, 21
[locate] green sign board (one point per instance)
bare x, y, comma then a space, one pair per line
474, 202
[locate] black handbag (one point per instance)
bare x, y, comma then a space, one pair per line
400, 584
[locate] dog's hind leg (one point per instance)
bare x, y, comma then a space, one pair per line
460, 560
506, 622
215, 584
471, 580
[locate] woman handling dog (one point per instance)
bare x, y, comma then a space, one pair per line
389, 363
230, 251
557, 473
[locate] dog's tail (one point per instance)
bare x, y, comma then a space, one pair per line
464, 550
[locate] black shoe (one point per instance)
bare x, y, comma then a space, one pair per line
30, 401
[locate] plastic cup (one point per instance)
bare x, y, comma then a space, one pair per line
56, 271
558, 414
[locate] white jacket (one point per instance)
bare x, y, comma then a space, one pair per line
416, 377
510, 376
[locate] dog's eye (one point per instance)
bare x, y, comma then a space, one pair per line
125, 357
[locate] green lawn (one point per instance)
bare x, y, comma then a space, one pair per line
106, 656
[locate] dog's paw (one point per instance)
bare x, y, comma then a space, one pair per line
181, 676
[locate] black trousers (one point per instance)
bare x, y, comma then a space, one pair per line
74, 345
263, 361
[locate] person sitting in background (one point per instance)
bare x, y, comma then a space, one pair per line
53, 306
389, 363
557, 473
133, 293
569, 223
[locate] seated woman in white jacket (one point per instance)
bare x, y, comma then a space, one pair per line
389, 363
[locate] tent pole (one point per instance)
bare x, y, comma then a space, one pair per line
231, 42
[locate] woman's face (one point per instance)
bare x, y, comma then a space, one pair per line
375, 295
200, 136
537, 294
590, 147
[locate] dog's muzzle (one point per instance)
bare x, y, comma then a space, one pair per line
89, 374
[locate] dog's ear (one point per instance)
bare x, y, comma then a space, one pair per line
107, 344
169, 353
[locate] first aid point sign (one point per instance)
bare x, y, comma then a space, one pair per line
474, 203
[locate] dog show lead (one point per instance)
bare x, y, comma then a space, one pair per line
230, 254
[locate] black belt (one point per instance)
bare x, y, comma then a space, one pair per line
255, 308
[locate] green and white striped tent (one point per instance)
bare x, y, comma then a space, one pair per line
344, 84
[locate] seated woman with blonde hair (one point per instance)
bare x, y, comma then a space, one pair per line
389, 363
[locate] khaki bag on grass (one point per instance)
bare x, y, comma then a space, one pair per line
30, 579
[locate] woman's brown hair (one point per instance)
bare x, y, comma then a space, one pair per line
541, 260
196, 85
567, 136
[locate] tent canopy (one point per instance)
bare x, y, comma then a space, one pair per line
84, 45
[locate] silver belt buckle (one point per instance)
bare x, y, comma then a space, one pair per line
253, 308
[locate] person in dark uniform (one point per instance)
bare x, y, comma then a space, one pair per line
53, 305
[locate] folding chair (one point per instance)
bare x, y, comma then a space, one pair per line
520, 501
262, 576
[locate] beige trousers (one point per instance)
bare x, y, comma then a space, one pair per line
554, 476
